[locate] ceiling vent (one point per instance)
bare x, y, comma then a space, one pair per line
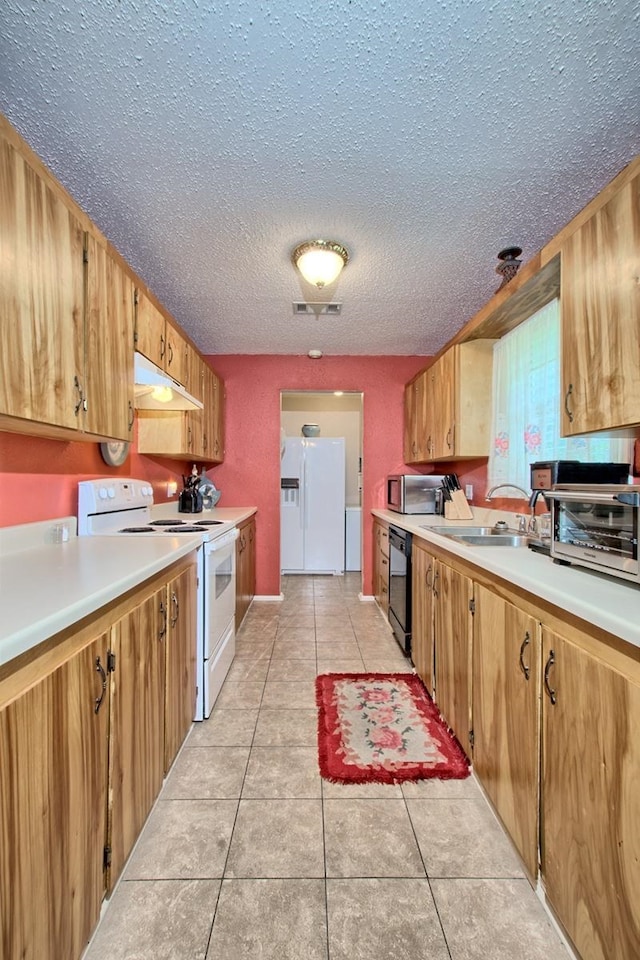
306, 307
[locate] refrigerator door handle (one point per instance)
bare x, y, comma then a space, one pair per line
305, 492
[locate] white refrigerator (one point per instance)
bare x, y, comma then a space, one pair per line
312, 501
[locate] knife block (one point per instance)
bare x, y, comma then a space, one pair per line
457, 508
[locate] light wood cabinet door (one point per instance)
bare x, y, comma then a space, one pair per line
41, 299
441, 412
591, 800
381, 565
136, 754
108, 346
415, 416
245, 568
216, 403
150, 337
180, 662
423, 568
53, 774
600, 308
453, 629
506, 716
176, 361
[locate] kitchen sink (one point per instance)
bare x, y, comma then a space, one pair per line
481, 536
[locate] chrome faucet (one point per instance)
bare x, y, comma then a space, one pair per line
532, 526
502, 486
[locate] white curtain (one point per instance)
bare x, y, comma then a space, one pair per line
526, 406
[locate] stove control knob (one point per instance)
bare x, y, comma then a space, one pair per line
148, 491
112, 493
102, 493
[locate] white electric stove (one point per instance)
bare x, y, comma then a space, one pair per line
124, 507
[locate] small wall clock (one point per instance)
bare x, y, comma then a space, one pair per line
115, 453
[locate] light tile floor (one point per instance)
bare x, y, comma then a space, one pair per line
249, 854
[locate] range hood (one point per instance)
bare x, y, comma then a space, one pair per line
156, 390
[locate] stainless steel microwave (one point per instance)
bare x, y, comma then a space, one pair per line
415, 493
597, 526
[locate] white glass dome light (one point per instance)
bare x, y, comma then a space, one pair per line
320, 261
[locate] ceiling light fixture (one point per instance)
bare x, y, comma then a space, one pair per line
315, 354
320, 261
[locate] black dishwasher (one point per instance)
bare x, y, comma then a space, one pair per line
400, 587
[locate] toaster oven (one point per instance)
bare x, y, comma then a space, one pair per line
596, 526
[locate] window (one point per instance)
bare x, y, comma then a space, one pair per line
526, 405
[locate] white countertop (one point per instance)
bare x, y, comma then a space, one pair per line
613, 605
46, 587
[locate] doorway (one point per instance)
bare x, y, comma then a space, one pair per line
336, 414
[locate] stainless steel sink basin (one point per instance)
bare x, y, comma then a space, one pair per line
481, 536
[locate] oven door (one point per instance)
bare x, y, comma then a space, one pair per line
218, 586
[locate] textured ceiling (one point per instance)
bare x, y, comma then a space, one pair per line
207, 139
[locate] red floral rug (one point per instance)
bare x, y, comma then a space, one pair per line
383, 728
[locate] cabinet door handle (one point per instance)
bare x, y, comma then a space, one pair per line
103, 678
436, 577
525, 643
450, 431
170, 360
551, 693
428, 577
176, 608
79, 401
163, 628
130, 424
566, 403
163, 347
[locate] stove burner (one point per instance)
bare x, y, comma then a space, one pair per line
137, 530
167, 523
183, 529
207, 523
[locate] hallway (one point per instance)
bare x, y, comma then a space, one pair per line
249, 855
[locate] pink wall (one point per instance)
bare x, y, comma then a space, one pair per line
250, 474
38, 477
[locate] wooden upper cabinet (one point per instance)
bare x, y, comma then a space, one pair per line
415, 399
448, 406
150, 335
41, 300
213, 431
108, 353
600, 306
160, 340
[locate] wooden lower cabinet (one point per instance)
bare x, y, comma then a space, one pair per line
245, 568
86, 727
180, 683
381, 565
53, 775
453, 592
422, 646
506, 716
591, 799
136, 754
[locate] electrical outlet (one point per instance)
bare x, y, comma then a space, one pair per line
172, 488
468, 491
